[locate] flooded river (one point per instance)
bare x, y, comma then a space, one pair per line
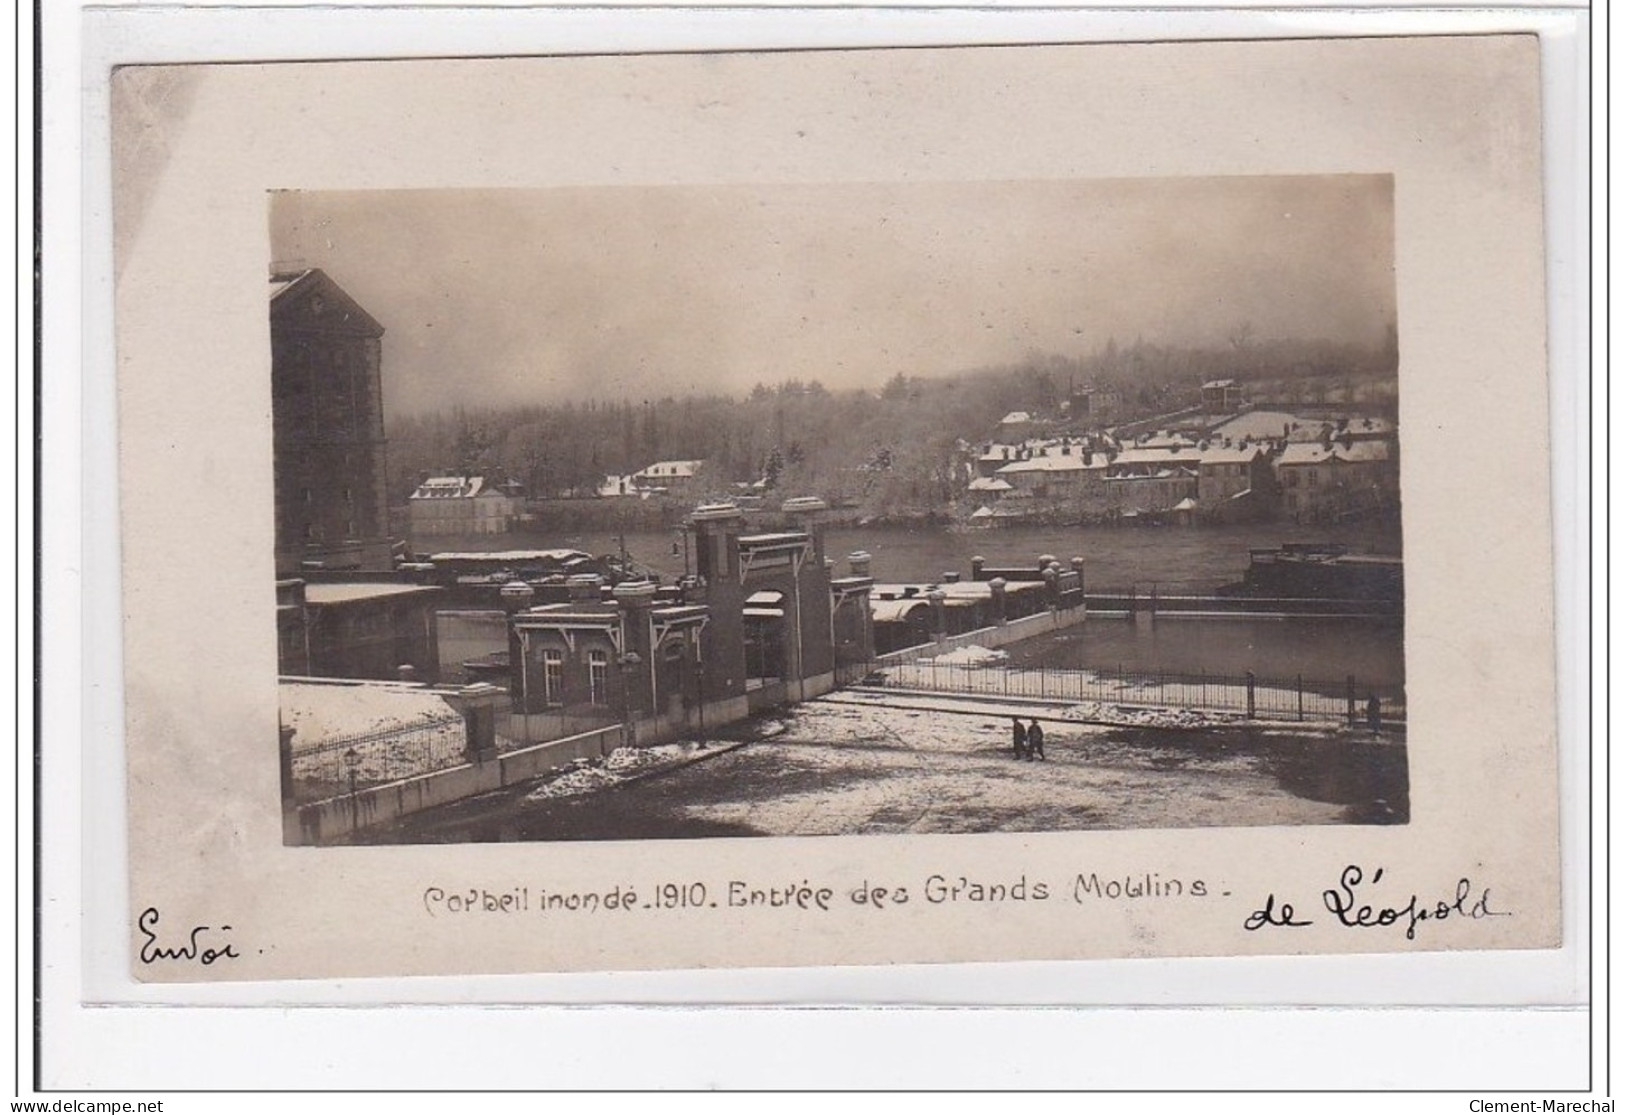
1172, 558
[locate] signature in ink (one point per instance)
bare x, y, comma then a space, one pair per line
194, 949
1346, 904
1349, 904
1270, 914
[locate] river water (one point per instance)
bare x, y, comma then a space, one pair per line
1171, 559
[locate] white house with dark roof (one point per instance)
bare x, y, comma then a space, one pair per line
462, 505
673, 478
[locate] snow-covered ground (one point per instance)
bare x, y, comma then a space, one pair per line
845, 767
585, 776
970, 655
405, 730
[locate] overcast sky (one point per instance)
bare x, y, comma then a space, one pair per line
491, 297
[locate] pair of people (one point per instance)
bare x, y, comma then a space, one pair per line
1029, 740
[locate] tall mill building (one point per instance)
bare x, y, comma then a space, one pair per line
332, 503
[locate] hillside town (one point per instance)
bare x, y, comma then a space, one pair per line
1223, 460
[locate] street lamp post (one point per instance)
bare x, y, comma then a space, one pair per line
352, 760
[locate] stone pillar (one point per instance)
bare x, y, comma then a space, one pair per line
636, 598
939, 614
478, 704
977, 564
1000, 615
859, 561
806, 514
516, 596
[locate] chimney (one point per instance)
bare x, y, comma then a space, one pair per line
859, 561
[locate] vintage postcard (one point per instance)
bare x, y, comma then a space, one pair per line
845, 507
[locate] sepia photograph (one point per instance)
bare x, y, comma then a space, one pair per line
830, 508
837, 509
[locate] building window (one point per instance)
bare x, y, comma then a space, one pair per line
1313, 477
598, 677
552, 677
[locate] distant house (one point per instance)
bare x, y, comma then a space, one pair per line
1220, 396
1321, 481
990, 486
1055, 471
614, 487
1234, 482
462, 505
665, 478
1153, 479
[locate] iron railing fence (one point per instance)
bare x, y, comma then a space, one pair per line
344, 764
1266, 698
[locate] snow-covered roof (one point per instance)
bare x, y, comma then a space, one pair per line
983, 512
360, 590
449, 487
1166, 441
1229, 455
1217, 383
510, 555
989, 484
1141, 455
668, 470
1015, 418
895, 611
1257, 424
1363, 451
284, 282
1051, 464
1303, 453
1315, 453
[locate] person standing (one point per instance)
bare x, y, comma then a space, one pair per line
1018, 736
1035, 740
